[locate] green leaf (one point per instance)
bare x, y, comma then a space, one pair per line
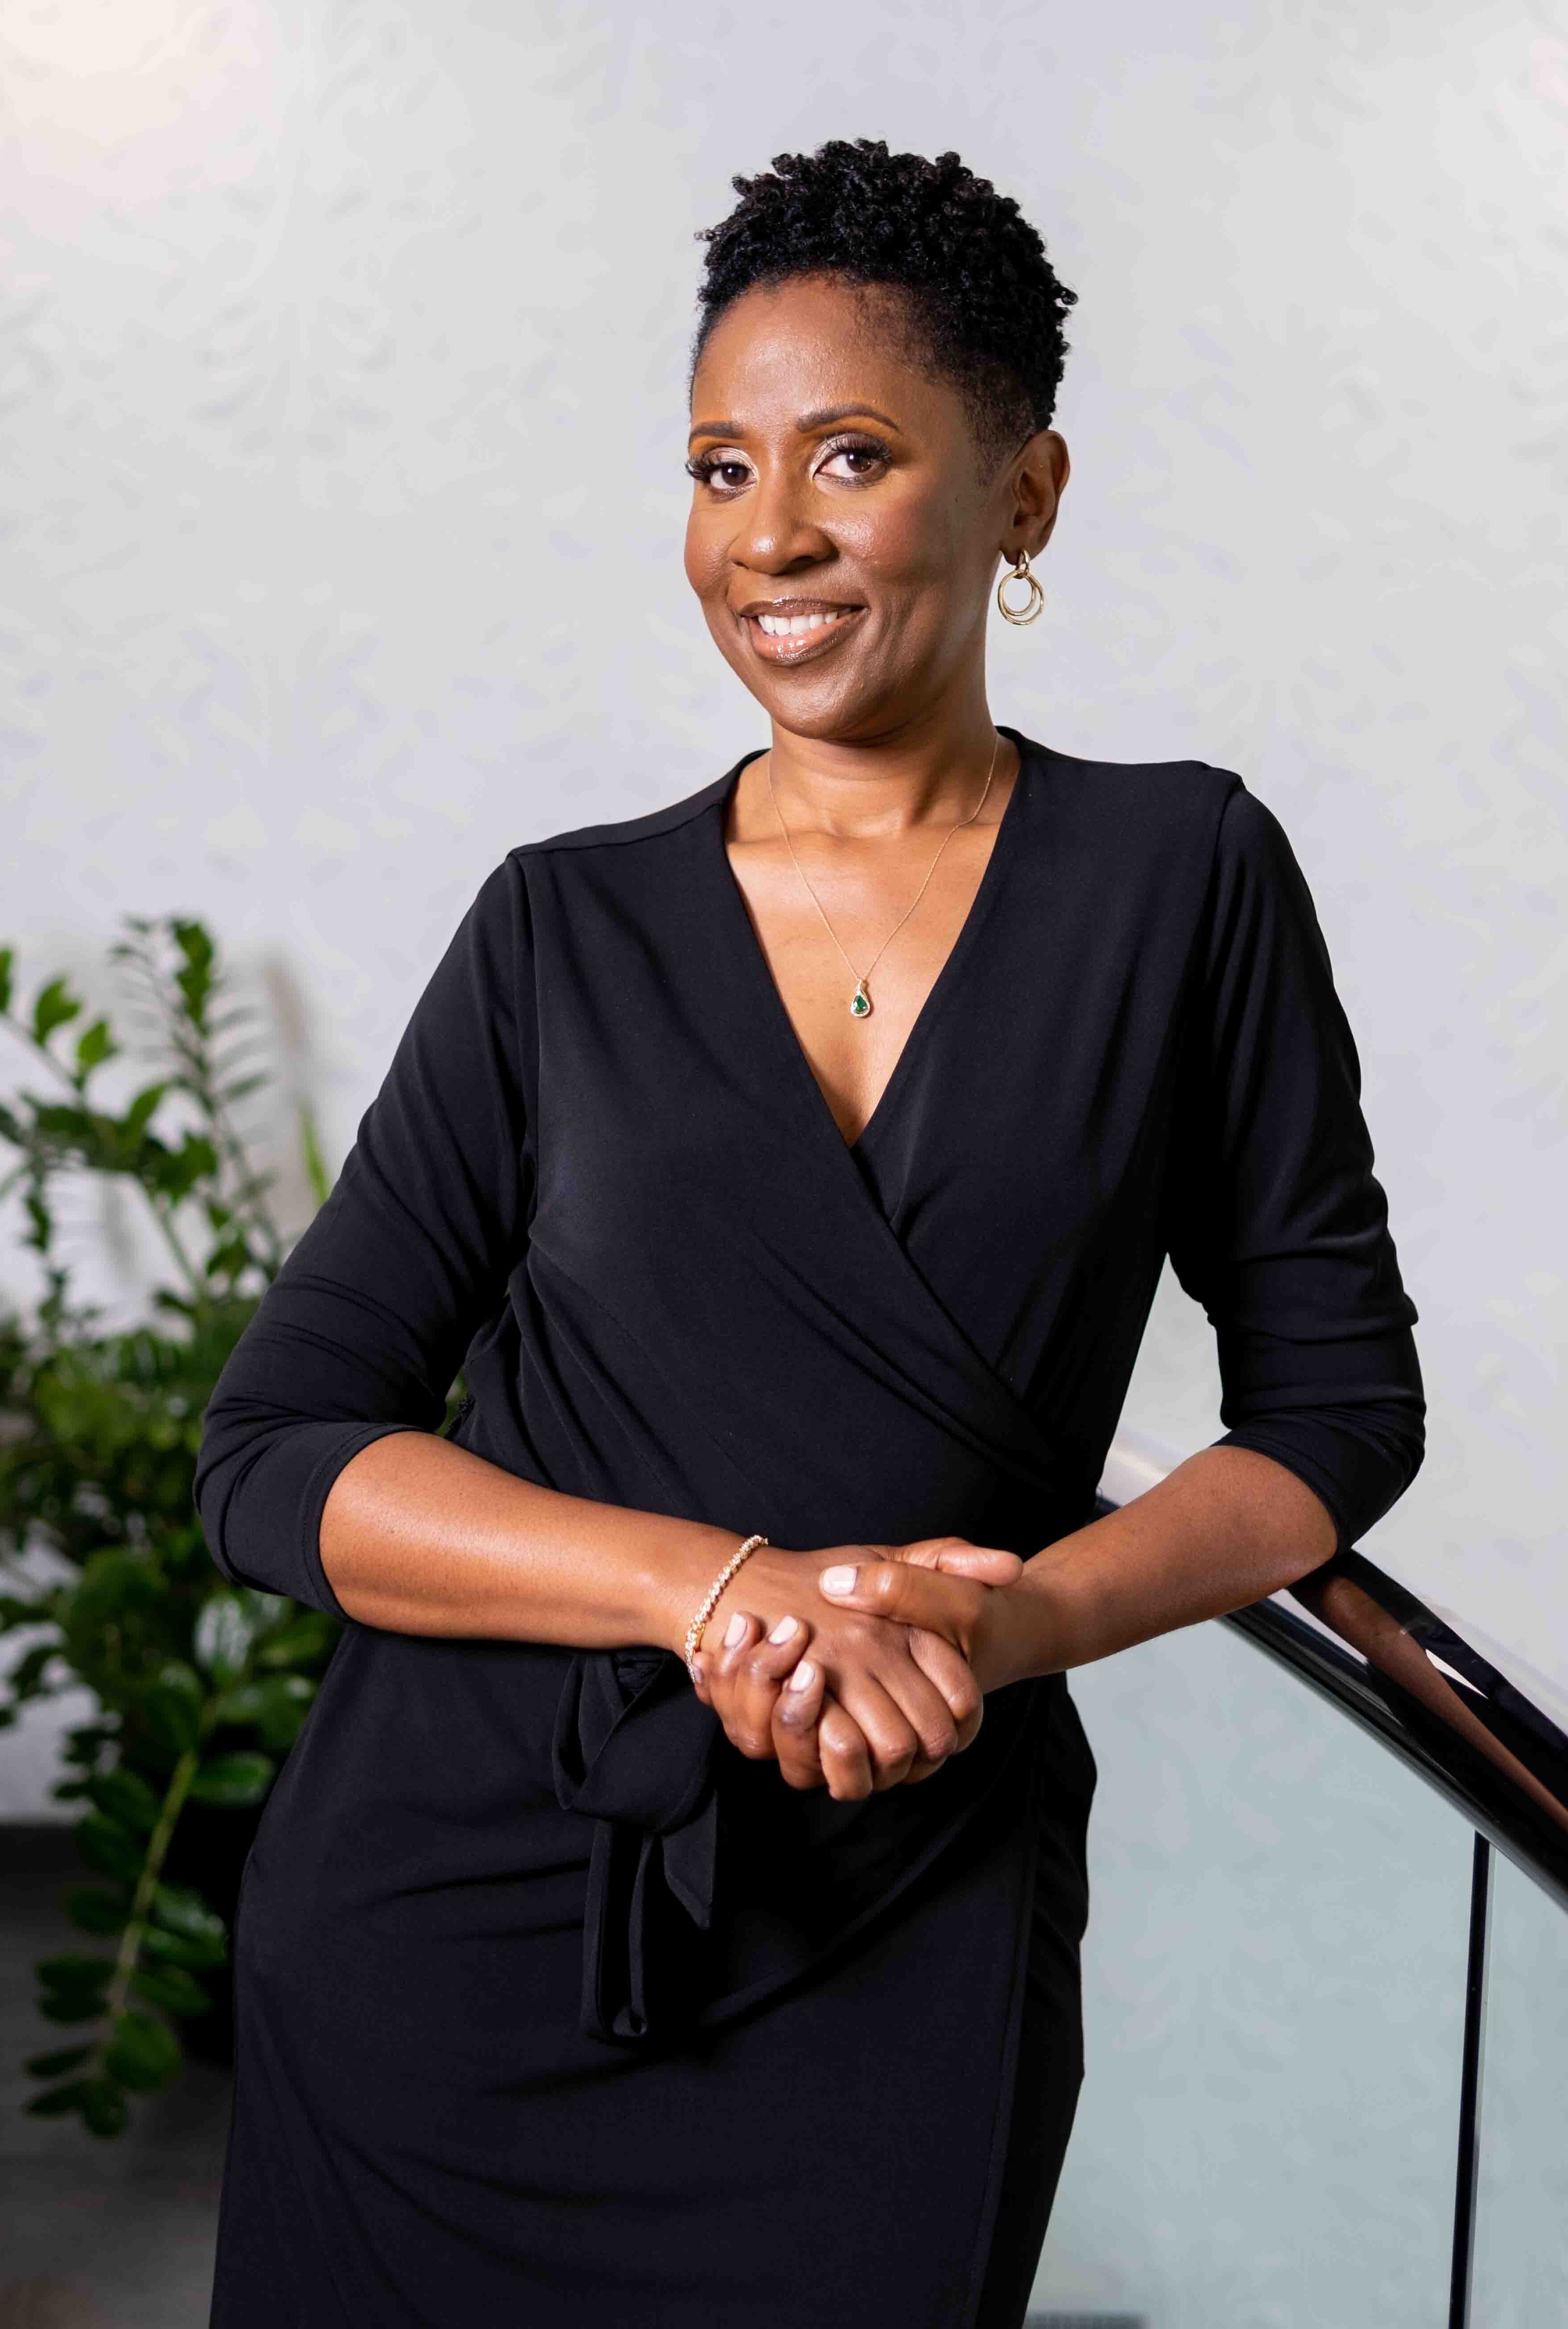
97, 1912
54, 1008
27, 1674
316, 1173
276, 1705
70, 2005
103, 2108
143, 2054
167, 1986
171, 1706
109, 1849
8, 961
225, 1630
55, 2065
93, 1046
74, 1973
174, 1948
302, 1642
182, 1910
59, 2100
124, 1796
234, 1779
141, 1109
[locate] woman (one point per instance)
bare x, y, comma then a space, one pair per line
789, 1172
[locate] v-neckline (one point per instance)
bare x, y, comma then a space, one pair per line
773, 1001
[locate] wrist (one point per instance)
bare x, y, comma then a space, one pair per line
683, 1565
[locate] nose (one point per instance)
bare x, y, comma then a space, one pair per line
776, 533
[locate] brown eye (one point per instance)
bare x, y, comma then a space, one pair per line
727, 474
857, 463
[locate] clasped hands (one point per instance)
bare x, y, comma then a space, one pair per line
901, 1644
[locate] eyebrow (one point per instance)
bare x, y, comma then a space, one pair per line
806, 422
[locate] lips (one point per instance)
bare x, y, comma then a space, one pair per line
796, 630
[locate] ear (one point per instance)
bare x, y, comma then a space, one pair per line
1033, 485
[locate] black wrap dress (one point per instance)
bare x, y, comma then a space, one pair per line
553, 2010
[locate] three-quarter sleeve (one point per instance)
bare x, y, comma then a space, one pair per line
366, 1324
1276, 1224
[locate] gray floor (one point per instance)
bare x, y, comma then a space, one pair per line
95, 2235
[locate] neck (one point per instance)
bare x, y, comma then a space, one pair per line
930, 771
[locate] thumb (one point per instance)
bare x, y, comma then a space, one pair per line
907, 1595
955, 1556
981, 1565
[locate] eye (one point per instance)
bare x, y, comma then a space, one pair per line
724, 472
854, 460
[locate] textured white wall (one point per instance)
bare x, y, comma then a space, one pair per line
342, 383
342, 397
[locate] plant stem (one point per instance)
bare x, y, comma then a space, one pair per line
130, 1940
164, 1214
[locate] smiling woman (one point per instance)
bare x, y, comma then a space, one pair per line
647, 1928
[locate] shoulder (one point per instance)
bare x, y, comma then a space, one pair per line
1154, 801
1203, 814
629, 832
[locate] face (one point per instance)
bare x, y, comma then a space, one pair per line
844, 534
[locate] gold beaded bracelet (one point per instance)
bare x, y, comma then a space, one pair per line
695, 1630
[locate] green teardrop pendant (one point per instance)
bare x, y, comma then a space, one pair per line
860, 1004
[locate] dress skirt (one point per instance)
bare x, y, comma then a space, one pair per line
553, 2010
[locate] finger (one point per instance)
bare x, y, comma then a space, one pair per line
718, 1657
760, 1673
846, 1757
891, 1738
951, 1674
955, 1556
797, 1711
922, 1705
895, 1589
722, 1645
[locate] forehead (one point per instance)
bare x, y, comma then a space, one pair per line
814, 342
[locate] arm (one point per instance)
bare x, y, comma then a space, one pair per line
1277, 1226
321, 1475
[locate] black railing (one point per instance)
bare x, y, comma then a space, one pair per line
1403, 1673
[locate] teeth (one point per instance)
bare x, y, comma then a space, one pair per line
787, 626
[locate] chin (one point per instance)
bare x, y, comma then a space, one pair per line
826, 713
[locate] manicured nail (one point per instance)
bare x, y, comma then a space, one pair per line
804, 1675
733, 1630
837, 1581
783, 1629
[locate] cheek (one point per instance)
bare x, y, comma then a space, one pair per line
920, 547
704, 559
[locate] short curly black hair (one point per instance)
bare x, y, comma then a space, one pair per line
984, 303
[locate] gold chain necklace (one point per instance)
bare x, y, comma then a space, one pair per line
860, 1001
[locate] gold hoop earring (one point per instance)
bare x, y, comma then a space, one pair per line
1036, 599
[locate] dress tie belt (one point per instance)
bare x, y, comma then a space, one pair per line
633, 1751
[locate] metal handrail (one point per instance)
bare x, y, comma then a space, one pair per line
1404, 1674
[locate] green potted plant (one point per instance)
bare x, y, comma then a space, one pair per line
199, 1689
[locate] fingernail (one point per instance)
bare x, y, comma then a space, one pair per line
733, 1630
783, 1629
837, 1581
804, 1675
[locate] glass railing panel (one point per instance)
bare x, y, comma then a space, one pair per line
1520, 2271
1274, 1986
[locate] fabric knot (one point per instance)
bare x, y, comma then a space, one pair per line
633, 1751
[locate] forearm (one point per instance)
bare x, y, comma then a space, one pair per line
422, 1537
1225, 1528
